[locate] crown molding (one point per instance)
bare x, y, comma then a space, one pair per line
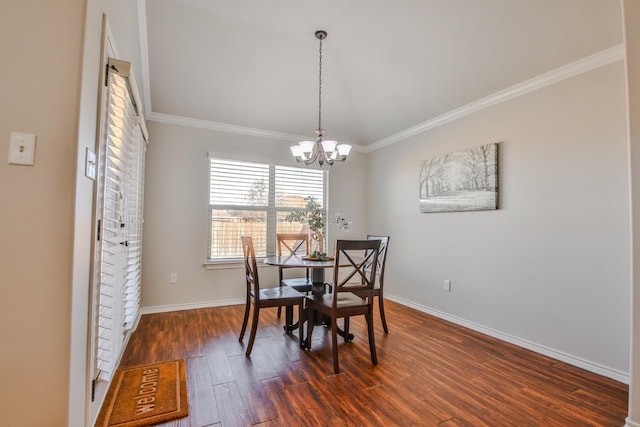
573, 69
223, 127
229, 128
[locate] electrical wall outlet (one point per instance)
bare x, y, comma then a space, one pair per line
447, 285
173, 278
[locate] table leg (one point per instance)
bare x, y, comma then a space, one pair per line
289, 326
317, 280
318, 289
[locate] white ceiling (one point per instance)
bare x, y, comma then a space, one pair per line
387, 65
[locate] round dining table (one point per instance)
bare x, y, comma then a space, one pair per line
317, 276
317, 268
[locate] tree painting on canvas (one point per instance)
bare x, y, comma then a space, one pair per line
461, 181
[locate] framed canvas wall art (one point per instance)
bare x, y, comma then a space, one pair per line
461, 181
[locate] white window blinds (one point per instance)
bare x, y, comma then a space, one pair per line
253, 199
120, 201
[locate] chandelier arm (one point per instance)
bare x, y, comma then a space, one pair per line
313, 158
320, 151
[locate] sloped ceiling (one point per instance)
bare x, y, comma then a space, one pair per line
387, 65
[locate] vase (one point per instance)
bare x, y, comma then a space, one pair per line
317, 241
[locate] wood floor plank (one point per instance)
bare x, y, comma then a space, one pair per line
219, 367
304, 400
252, 392
347, 402
233, 411
384, 403
203, 407
430, 373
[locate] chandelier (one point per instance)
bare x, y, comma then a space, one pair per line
321, 149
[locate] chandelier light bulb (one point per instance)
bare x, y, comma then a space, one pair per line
297, 152
328, 145
343, 149
307, 147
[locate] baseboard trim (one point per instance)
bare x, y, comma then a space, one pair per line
191, 306
587, 365
630, 423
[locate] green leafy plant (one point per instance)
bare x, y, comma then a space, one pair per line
320, 256
313, 215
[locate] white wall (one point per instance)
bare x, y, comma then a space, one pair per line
551, 266
631, 13
39, 94
176, 211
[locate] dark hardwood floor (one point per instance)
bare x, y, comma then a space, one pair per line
430, 373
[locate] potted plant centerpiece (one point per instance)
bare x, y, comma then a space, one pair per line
312, 214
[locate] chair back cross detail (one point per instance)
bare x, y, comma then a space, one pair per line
293, 243
364, 269
289, 244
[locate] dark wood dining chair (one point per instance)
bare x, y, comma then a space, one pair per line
279, 296
293, 244
343, 302
378, 288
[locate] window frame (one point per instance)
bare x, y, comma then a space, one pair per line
271, 210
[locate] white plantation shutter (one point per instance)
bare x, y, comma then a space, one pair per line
120, 228
134, 201
253, 199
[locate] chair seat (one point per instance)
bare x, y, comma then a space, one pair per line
300, 284
376, 292
345, 300
278, 293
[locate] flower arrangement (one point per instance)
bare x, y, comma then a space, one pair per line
312, 214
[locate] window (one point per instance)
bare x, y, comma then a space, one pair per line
253, 199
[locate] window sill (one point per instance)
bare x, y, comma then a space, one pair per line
222, 265
230, 264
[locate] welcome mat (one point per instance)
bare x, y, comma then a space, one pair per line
145, 395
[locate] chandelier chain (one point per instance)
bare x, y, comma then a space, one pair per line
320, 90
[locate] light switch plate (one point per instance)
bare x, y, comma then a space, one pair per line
90, 167
22, 149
